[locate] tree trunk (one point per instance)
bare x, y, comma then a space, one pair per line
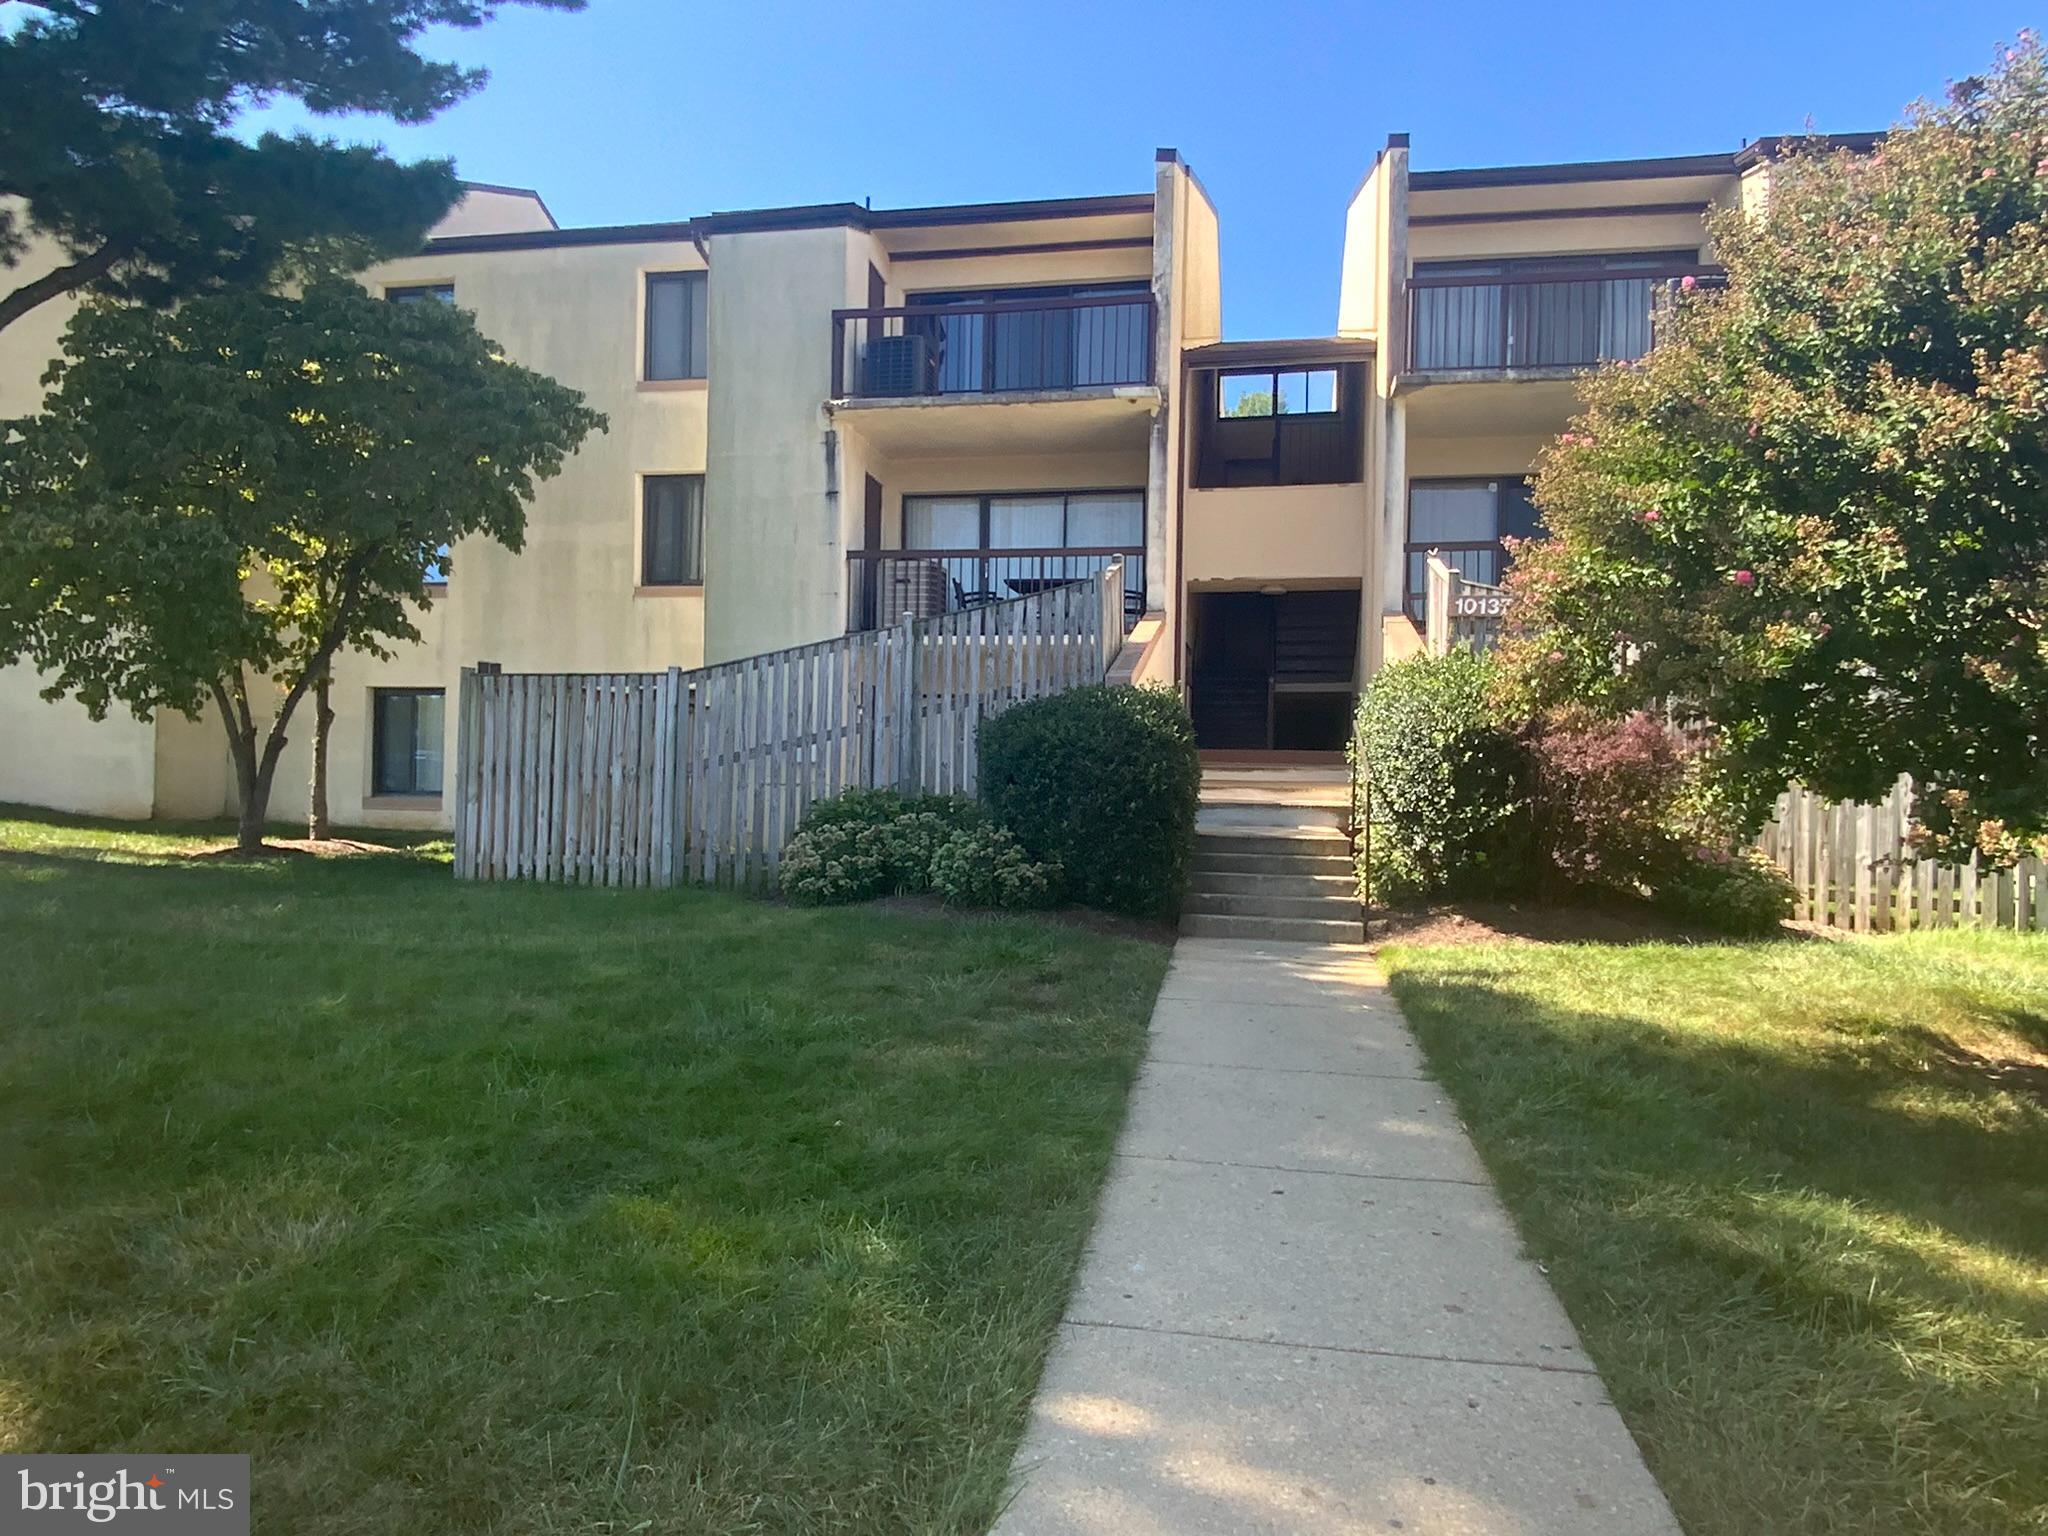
323, 723
251, 803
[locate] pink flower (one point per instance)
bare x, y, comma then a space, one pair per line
1688, 282
2041, 166
1653, 516
1745, 578
1752, 429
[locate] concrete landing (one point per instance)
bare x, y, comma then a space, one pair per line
1303, 1309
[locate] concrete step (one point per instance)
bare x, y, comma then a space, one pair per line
1211, 862
1270, 840
1298, 930
1335, 907
1277, 883
1226, 811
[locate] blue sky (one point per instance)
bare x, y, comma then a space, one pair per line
658, 109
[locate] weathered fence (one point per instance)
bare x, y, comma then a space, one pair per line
703, 775
1457, 610
1851, 867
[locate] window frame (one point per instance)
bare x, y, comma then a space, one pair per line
690, 580
683, 278
378, 698
1273, 375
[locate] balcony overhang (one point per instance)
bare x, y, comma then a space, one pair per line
1084, 418
1494, 403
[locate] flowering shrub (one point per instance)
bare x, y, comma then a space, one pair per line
986, 867
870, 843
1604, 794
1443, 786
1812, 513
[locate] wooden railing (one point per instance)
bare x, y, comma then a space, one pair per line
1458, 611
1852, 867
883, 585
1005, 346
1561, 319
659, 778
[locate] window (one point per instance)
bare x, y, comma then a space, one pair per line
675, 325
1026, 520
1279, 425
672, 531
1278, 392
421, 293
406, 741
1465, 521
437, 570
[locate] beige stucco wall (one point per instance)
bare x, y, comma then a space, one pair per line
1276, 533
1563, 236
775, 518
1443, 457
55, 755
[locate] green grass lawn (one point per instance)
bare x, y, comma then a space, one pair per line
1795, 1196
528, 1209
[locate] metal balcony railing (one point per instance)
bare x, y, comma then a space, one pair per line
1563, 319
1069, 342
883, 585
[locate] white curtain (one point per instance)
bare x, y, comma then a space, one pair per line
941, 522
1106, 520
1026, 522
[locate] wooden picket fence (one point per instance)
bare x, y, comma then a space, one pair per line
656, 778
1851, 867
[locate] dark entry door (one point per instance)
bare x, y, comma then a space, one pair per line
1273, 671
1231, 689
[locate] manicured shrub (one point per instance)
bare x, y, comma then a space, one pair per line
1443, 785
869, 843
1603, 794
1744, 894
1104, 783
986, 867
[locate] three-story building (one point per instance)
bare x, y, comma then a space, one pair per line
823, 418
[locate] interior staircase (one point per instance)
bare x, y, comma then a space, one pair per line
1273, 857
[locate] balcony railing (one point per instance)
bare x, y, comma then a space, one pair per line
1069, 342
885, 584
1565, 319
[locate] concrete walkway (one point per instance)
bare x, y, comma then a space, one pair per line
1303, 1309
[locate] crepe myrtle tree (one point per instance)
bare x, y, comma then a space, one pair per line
116, 121
1816, 515
236, 490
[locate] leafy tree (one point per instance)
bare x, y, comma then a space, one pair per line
1816, 516
237, 489
114, 135
1257, 402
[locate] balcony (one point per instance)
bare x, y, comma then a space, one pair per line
1073, 342
1535, 321
884, 585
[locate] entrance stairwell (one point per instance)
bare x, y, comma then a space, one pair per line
1273, 857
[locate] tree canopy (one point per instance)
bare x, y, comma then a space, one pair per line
115, 137
1816, 515
238, 488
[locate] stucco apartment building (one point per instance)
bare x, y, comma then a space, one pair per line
825, 417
